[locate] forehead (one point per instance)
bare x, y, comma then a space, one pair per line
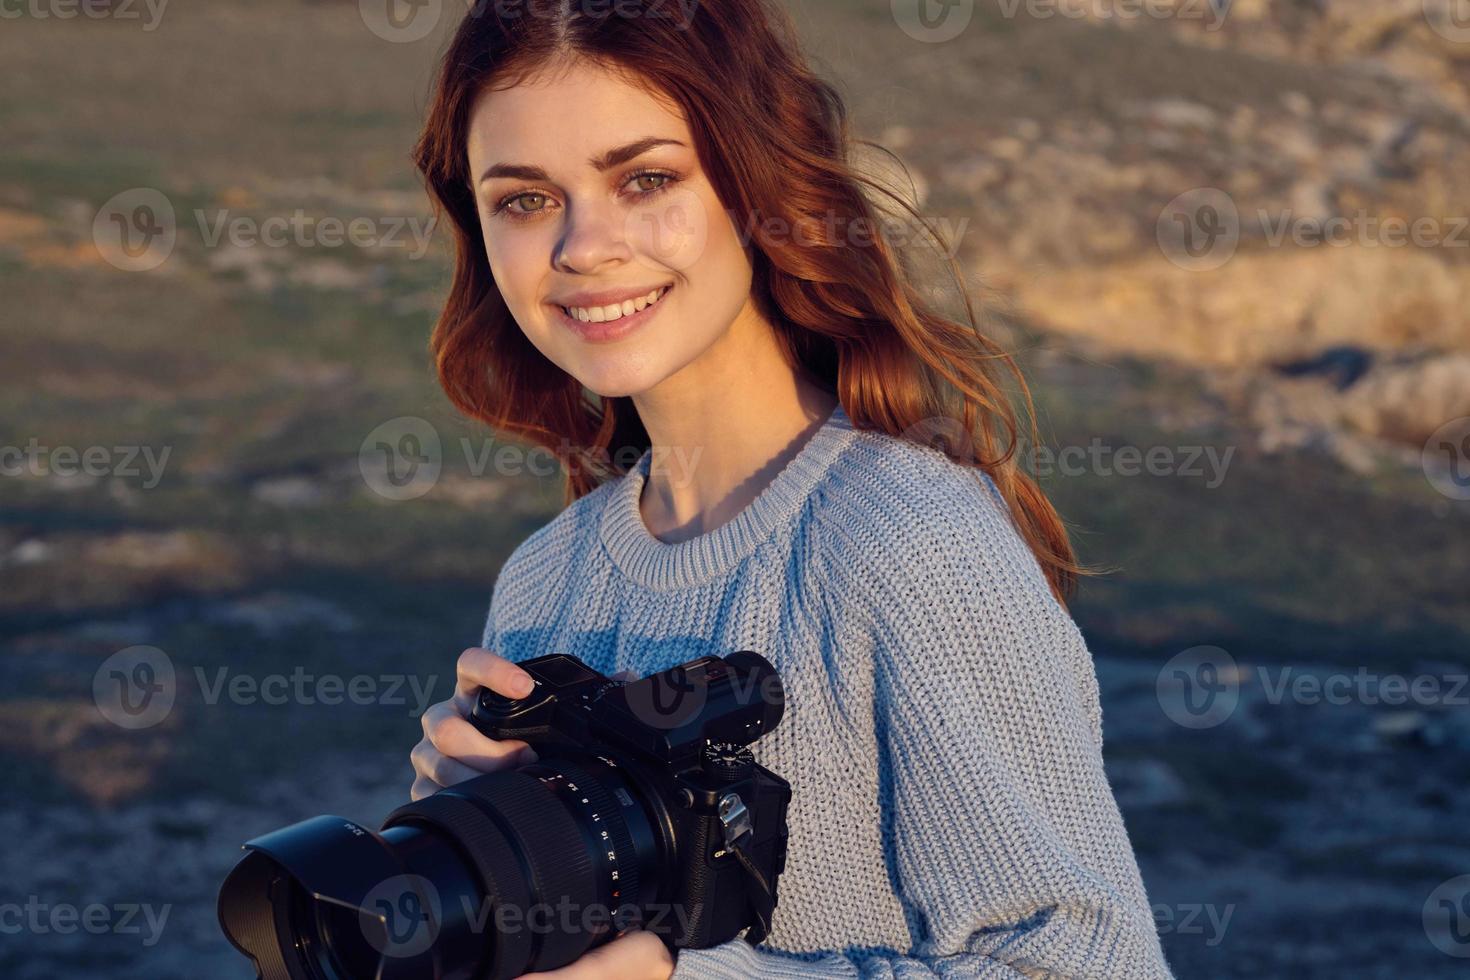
560, 117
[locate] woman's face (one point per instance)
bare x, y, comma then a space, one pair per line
591, 196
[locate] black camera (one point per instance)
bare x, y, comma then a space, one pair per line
645, 809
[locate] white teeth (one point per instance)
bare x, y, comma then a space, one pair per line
601, 314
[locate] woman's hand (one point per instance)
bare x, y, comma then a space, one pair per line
637, 955
452, 750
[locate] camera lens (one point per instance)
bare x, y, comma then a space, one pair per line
509, 873
329, 939
522, 871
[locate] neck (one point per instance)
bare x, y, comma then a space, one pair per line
722, 429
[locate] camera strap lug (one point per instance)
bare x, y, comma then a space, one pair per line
735, 820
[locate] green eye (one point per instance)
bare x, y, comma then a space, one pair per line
665, 180
505, 205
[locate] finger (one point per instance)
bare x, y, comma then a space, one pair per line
422, 786
429, 761
479, 668
637, 954
458, 739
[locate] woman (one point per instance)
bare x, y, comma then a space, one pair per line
663, 277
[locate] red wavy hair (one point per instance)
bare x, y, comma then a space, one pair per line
773, 140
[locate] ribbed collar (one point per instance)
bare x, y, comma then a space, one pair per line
663, 566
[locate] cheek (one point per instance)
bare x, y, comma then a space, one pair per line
674, 231
513, 268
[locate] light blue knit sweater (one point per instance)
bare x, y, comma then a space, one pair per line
950, 815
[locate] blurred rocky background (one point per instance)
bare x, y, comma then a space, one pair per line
1228, 242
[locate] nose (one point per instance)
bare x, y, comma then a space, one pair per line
595, 236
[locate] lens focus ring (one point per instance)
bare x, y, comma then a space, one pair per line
546, 836
618, 858
495, 860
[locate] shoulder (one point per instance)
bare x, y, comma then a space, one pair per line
924, 549
925, 528
551, 549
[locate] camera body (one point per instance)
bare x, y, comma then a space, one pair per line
645, 808
715, 843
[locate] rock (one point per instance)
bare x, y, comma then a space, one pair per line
1393, 157
1341, 365
289, 491
1312, 200
1447, 729
1028, 129
1007, 148
113, 632
1406, 402
1177, 113
1385, 414
1297, 103
32, 551
1398, 724
181, 551
252, 263
272, 613
336, 274
974, 174
1260, 305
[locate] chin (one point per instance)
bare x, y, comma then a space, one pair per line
615, 381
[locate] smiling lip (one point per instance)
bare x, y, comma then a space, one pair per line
608, 330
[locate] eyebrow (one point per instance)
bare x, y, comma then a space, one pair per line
612, 158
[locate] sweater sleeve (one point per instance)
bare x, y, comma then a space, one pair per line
487, 636
1001, 832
